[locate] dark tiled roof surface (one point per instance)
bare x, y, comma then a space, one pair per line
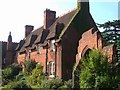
20, 45
41, 36
30, 39
65, 19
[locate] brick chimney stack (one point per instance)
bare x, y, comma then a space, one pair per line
28, 30
49, 18
83, 5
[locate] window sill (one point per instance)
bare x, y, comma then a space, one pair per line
52, 76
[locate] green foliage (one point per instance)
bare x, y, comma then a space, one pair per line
20, 76
15, 68
97, 72
36, 77
29, 65
111, 34
17, 84
8, 74
68, 83
53, 84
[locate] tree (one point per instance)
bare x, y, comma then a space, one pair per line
28, 66
111, 33
97, 72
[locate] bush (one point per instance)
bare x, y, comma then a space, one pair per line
29, 65
18, 84
68, 83
15, 68
7, 73
36, 76
53, 84
20, 76
97, 72
11, 71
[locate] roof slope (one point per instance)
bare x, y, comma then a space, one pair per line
31, 38
65, 19
82, 21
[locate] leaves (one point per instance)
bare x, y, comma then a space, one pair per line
97, 72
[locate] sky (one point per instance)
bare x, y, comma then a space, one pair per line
15, 14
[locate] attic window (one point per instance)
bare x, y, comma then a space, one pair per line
38, 49
4, 61
59, 27
52, 45
28, 54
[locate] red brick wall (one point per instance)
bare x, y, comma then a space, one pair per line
59, 61
90, 40
109, 50
41, 57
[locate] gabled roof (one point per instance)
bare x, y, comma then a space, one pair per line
29, 41
41, 38
65, 19
82, 21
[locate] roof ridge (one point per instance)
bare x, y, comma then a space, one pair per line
67, 12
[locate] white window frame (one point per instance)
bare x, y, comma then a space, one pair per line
52, 69
28, 54
52, 45
38, 49
4, 60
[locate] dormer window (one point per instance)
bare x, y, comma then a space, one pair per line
38, 48
28, 54
4, 61
52, 45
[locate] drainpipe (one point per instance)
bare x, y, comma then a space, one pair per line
46, 59
55, 58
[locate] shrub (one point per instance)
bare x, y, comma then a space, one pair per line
36, 76
20, 76
15, 68
68, 83
18, 84
97, 72
7, 73
29, 65
53, 84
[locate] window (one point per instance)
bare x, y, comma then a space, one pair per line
4, 61
28, 53
52, 69
52, 45
38, 49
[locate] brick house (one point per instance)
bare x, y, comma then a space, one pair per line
8, 52
56, 44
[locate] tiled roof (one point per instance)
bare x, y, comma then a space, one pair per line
30, 39
40, 36
65, 19
20, 45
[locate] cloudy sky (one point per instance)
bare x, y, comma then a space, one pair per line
15, 14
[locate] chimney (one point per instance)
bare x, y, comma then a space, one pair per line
83, 5
28, 30
49, 18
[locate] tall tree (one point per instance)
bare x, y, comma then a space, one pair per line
111, 34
